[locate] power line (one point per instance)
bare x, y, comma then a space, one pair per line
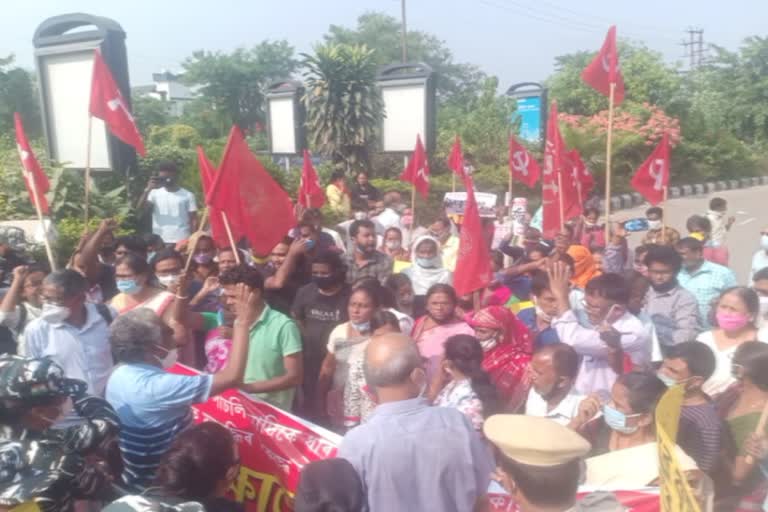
694, 47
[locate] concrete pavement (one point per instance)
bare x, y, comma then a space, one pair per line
748, 205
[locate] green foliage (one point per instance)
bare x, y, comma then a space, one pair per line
647, 77
233, 85
344, 103
70, 231
149, 112
381, 33
483, 123
179, 135
18, 94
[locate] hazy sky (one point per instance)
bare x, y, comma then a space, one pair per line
515, 40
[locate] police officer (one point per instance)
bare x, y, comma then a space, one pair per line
43, 465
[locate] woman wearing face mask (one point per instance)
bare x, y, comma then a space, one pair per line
427, 270
740, 408
359, 402
154, 406
344, 341
133, 276
507, 350
204, 256
441, 322
624, 437
393, 245
469, 389
736, 313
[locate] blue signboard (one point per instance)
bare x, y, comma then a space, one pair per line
529, 114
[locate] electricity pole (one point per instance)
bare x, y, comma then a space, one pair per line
694, 47
404, 33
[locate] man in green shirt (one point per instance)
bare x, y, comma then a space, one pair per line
274, 367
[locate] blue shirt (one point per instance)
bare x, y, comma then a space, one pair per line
153, 406
706, 283
412, 456
546, 336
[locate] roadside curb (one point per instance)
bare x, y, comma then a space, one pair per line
631, 200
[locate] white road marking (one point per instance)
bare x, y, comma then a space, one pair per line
747, 221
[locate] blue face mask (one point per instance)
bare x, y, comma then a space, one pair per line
361, 327
617, 420
433, 262
128, 286
150, 255
667, 380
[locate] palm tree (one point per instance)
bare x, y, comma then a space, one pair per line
343, 102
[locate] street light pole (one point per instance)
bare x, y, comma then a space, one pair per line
404, 32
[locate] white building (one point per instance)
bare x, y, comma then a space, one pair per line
167, 87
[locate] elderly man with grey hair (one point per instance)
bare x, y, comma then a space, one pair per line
410, 455
154, 405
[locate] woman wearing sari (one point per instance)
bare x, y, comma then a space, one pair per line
427, 270
508, 348
584, 267
344, 343
440, 323
742, 485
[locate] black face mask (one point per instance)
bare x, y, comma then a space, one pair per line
325, 282
666, 286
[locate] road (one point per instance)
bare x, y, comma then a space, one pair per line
749, 206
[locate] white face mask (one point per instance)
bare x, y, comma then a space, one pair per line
360, 215
392, 245
170, 358
54, 314
168, 280
544, 316
488, 344
764, 242
654, 224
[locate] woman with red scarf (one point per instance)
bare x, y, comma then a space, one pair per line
508, 348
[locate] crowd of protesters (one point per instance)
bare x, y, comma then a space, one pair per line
356, 327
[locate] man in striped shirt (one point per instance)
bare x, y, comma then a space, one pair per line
691, 364
154, 405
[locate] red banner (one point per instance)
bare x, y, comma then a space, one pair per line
274, 445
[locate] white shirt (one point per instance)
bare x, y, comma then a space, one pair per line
388, 219
722, 378
595, 373
563, 412
13, 319
84, 353
170, 213
406, 322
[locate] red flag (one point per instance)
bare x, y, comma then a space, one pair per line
604, 69
522, 165
581, 174
207, 175
256, 206
417, 170
652, 177
33, 173
310, 193
554, 160
456, 158
473, 265
108, 104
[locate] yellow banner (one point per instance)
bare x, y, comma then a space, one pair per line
676, 494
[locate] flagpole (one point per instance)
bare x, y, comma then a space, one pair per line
560, 199
509, 204
608, 148
88, 171
231, 238
453, 182
203, 220
664, 217
36, 200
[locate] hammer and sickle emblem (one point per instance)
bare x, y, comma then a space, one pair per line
520, 161
117, 104
656, 171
